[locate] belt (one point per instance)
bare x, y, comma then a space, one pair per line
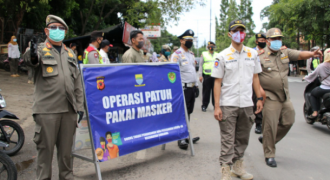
188, 84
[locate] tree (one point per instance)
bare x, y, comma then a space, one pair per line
228, 13
245, 14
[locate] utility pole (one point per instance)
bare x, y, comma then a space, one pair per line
210, 17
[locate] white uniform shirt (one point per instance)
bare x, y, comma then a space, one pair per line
186, 61
236, 70
13, 51
104, 57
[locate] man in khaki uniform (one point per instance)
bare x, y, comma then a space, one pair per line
58, 99
134, 54
278, 112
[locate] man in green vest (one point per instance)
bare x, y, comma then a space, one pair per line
91, 54
206, 66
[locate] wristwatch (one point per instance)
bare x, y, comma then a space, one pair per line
260, 99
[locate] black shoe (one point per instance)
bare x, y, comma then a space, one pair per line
271, 162
258, 129
194, 140
203, 108
312, 117
182, 144
260, 139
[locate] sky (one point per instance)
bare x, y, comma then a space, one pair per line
198, 19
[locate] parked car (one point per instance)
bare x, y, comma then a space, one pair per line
197, 59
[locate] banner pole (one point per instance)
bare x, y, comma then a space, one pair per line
95, 160
192, 151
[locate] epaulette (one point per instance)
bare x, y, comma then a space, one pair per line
48, 45
261, 52
283, 47
177, 51
191, 53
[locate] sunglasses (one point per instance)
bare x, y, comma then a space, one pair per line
57, 27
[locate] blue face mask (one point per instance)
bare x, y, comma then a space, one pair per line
167, 53
56, 35
276, 45
14, 40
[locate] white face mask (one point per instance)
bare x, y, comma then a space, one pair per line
238, 36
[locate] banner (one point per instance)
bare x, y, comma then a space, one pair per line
134, 107
152, 31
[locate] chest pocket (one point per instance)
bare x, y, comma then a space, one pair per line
73, 67
267, 64
49, 68
231, 65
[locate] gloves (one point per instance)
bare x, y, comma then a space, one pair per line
196, 91
80, 116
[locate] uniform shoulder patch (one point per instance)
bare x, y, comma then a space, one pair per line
283, 47
96, 55
178, 52
48, 45
216, 63
191, 53
261, 52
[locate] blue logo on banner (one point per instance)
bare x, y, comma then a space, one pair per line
125, 119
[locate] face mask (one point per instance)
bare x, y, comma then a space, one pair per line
167, 53
56, 35
211, 48
238, 36
140, 45
109, 140
14, 40
188, 44
262, 44
276, 45
103, 146
144, 53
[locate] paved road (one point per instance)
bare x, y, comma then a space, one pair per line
303, 154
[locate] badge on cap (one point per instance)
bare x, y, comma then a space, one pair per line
277, 32
190, 31
259, 35
237, 22
102, 34
48, 19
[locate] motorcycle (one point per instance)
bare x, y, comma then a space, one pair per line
11, 133
8, 169
324, 114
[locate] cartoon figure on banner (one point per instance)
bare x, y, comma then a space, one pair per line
102, 153
113, 148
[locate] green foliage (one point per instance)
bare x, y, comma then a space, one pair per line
305, 19
167, 38
251, 42
229, 11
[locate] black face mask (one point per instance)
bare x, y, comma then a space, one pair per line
211, 48
262, 44
144, 53
188, 44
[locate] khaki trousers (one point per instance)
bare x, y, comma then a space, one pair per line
235, 132
278, 118
50, 130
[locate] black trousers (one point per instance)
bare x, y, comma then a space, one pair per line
208, 85
189, 95
258, 119
316, 95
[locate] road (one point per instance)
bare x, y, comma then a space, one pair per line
302, 155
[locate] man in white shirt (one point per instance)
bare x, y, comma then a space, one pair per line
237, 68
105, 46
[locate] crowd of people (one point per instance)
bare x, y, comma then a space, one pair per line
244, 83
